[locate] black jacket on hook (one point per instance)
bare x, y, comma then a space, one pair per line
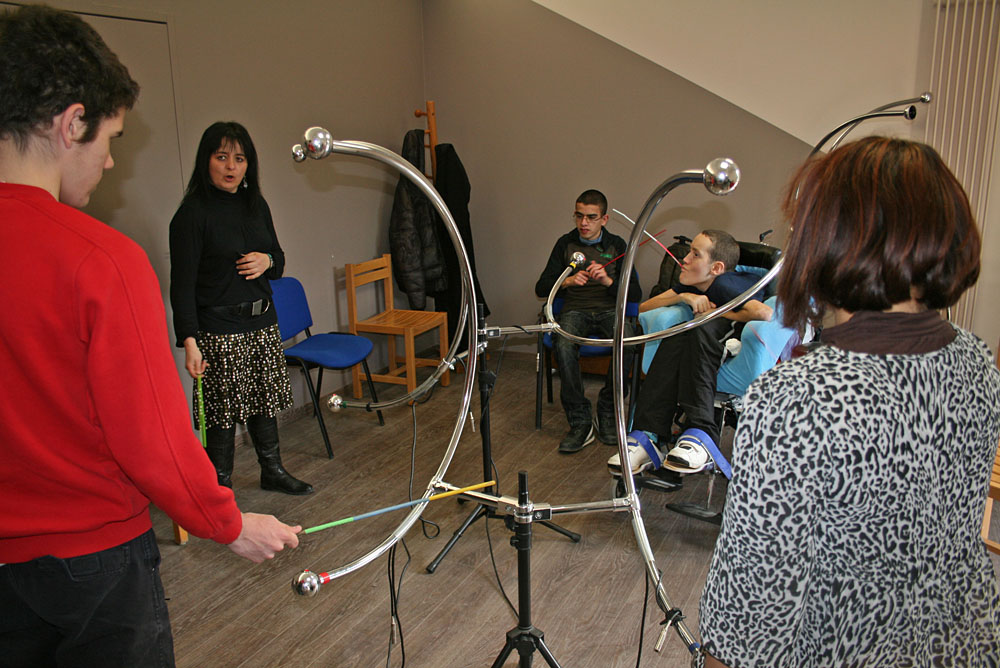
417, 261
454, 188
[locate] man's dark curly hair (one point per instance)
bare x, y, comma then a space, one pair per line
49, 60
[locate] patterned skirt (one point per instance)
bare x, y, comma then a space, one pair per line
246, 376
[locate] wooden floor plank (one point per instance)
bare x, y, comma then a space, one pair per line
587, 597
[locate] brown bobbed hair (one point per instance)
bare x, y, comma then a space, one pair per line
874, 223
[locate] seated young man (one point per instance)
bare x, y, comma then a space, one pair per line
682, 375
588, 310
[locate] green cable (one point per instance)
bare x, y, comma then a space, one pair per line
201, 412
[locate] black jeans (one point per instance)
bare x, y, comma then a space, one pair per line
599, 325
100, 609
682, 376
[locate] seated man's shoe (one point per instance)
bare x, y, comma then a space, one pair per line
577, 439
642, 454
689, 454
607, 432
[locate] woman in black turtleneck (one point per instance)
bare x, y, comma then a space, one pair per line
223, 250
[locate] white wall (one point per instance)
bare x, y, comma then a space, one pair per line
804, 66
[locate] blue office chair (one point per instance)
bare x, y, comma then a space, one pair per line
317, 351
544, 360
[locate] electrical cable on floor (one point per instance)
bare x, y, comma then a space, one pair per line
489, 541
642, 622
496, 476
424, 523
395, 589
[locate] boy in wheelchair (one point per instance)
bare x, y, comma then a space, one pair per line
682, 375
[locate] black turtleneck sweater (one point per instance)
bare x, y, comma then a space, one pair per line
207, 237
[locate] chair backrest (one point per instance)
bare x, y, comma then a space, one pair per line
289, 299
760, 256
363, 273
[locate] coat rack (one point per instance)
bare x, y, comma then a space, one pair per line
431, 135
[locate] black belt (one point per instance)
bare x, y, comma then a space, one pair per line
244, 310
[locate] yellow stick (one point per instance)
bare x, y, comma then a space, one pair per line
399, 506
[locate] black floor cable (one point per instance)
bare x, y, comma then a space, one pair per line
396, 586
642, 622
496, 476
489, 541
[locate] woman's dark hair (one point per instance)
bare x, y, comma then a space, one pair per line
875, 223
217, 135
49, 60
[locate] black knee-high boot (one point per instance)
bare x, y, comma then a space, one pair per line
273, 476
220, 444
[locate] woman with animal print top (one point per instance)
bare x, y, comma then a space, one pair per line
851, 534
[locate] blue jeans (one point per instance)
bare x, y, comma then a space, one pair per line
101, 609
600, 325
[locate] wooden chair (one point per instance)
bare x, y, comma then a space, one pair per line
393, 322
992, 495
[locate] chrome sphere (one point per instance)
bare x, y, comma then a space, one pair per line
578, 258
298, 153
306, 583
722, 175
318, 142
335, 402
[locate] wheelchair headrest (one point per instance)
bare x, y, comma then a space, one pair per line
758, 255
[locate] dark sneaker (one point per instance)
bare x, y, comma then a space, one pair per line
577, 438
607, 433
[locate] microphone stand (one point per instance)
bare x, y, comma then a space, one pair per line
486, 380
524, 637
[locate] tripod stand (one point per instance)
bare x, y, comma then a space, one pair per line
524, 637
486, 380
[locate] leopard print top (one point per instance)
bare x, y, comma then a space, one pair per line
851, 530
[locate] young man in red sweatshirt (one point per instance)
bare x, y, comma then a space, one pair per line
93, 421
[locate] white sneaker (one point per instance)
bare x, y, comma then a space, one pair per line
688, 456
638, 458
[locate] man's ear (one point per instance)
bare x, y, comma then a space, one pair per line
70, 125
718, 268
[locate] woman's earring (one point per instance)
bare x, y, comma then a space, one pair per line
245, 182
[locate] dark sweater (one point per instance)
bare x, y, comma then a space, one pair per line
593, 296
207, 237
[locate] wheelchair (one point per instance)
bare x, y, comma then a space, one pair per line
748, 350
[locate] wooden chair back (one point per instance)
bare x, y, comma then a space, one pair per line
363, 273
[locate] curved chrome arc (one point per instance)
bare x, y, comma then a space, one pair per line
638, 527
734, 303
319, 145
909, 113
922, 99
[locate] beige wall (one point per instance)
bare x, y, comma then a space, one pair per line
541, 109
353, 67
538, 107
803, 66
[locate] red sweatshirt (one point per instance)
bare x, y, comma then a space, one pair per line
93, 420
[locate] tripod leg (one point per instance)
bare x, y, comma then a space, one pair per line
573, 536
543, 649
480, 511
505, 652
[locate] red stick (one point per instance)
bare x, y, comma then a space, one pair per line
653, 238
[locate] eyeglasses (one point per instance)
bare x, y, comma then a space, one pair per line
592, 217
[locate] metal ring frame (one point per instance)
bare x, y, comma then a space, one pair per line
720, 177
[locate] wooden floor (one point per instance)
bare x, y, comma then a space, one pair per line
587, 597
